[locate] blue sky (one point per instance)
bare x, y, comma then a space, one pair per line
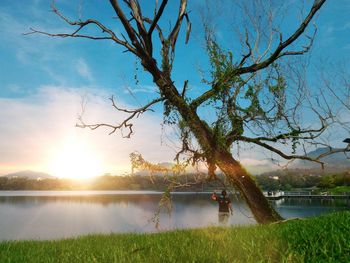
43, 80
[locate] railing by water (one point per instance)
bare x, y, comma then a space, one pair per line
305, 194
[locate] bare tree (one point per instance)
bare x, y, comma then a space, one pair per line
248, 93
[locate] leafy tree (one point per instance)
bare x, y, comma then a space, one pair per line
254, 97
327, 182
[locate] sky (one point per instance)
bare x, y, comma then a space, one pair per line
45, 81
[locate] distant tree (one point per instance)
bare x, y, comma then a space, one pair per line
327, 182
253, 97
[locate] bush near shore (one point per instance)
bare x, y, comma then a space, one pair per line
318, 239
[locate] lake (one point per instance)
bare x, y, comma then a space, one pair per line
62, 214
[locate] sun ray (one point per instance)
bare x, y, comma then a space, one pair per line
75, 159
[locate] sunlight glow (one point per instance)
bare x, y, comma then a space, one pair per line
75, 160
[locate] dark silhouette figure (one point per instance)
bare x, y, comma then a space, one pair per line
225, 207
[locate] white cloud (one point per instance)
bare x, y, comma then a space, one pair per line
35, 128
83, 69
140, 89
13, 88
346, 26
254, 162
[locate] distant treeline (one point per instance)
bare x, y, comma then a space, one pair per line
288, 180
108, 182
280, 180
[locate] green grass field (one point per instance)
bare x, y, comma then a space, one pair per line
319, 239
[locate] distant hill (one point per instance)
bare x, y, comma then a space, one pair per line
30, 175
336, 160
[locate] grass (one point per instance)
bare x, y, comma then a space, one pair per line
339, 190
319, 239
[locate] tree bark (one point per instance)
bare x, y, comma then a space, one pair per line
263, 212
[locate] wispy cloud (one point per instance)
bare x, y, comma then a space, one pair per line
140, 89
13, 88
28, 46
83, 69
254, 162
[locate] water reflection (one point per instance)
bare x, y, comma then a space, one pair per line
50, 215
306, 207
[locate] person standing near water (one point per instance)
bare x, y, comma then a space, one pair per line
225, 207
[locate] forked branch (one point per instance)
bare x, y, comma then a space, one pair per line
126, 123
157, 17
82, 25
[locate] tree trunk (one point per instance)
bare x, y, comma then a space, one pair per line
255, 199
257, 202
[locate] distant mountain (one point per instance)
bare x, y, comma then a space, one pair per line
338, 160
30, 175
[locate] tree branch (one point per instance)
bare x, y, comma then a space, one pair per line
246, 56
175, 32
283, 44
34, 31
142, 32
160, 32
125, 123
316, 159
157, 17
294, 134
81, 25
129, 29
215, 88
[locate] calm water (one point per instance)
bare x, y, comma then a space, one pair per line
61, 214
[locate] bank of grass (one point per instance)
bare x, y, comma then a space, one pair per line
320, 239
339, 190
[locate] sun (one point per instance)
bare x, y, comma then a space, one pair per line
75, 160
